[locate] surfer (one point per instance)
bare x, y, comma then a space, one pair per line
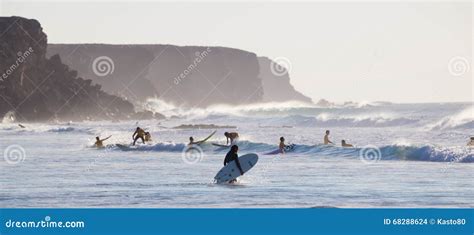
231, 156
147, 136
138, 134
232, 136
191, 141
282, 145
21, 126
99, 143
326, 138
471, 142
344, 144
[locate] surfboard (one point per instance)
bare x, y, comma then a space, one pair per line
123, 147
288, 148
207, 138
220, 145
231, 171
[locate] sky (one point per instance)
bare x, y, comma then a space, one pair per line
406, 52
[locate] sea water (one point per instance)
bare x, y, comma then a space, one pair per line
405, 155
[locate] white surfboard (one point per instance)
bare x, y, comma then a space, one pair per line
221, 145
231, 171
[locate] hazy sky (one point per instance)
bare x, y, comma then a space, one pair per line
362, 51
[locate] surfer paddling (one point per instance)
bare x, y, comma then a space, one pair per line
326, 138
232, 156
99, 143
191, 141
232, 136
344, 144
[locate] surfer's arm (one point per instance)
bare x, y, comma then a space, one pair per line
238, 166
106, 138
134, 133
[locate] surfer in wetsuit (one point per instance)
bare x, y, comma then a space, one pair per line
138, 134
99, 143
282, 145
344, 144
232, 136
326, 138
232, 156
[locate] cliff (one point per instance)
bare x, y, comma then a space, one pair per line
188, 75
276, 83
36, 88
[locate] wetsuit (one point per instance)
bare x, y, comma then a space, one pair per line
231, 156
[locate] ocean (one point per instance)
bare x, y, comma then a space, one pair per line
405, 155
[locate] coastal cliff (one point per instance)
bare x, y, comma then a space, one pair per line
191, 76
36, 88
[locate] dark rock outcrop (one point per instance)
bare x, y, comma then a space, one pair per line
37, 88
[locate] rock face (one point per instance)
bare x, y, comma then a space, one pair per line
191, 76
37, 88
276, 83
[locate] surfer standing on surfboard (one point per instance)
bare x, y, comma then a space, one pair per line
138, 134
232, 136
232, 156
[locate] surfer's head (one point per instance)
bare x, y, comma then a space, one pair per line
343, 142
472, 137
234, 148
97, 138
138, 128
282, 139
327, 132
226, 133
191, 139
